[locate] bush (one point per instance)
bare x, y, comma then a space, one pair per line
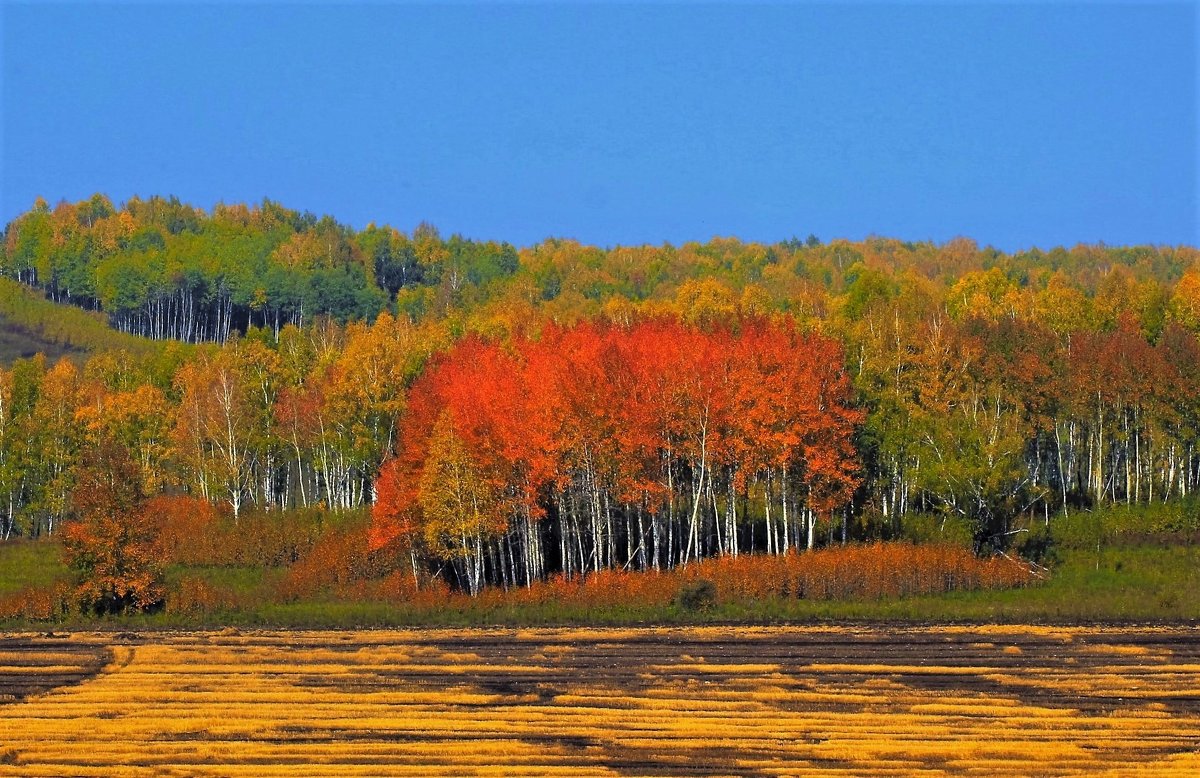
944, 529
1038, 545
195, 596
37, 603
194, 532
338, 559
856, 571
1126, 525
183, 524
866, 570
274, 538
697, 595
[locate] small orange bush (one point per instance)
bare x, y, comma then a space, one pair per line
185, 527
845, 572
192, 531
859, 571
41, 603
341, 565
339, 559
197, 596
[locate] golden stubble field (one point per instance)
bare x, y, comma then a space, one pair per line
574, 702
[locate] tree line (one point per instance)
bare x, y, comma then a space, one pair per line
301, 421
990, 423
168, 270
511, 413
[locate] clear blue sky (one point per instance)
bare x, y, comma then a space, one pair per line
1017, 125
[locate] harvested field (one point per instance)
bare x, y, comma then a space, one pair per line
672, 702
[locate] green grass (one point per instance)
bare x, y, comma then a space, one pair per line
1130, 584
1148, 583
27, 563
31, 323
241, 579
16, 342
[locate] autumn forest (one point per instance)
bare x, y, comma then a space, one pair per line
502, 416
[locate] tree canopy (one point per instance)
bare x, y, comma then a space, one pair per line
510, 412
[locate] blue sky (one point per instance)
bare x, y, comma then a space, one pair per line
1014, 124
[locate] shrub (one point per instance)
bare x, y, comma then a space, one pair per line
1037, 545
1126, 524
273, 538
39, 603
185, 527
855, 571
338, 559
944, 529
859, 571
111, 547
196, 596
195, 532
697, 595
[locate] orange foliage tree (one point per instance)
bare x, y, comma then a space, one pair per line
111, 545
602, 446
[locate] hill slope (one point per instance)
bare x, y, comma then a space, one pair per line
31, 324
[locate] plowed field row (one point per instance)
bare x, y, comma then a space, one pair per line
671, 702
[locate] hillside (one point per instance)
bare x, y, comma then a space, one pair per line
30, 324
17, 342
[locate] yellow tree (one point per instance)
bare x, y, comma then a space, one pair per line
216, 426
261, 372
363, 394
139, 420
1185, 301
10, 470
55, 426
970, 425
460, 510
987, 295
705, 303
1062, 307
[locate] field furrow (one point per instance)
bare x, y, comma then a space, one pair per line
671, 702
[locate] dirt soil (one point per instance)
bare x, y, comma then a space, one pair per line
655, 701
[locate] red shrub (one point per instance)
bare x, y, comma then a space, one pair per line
41, 603
341, 560
185, 528
198, 597
859, 571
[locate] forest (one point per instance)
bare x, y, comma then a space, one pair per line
508, 414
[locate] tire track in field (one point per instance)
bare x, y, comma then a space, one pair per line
670, 702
